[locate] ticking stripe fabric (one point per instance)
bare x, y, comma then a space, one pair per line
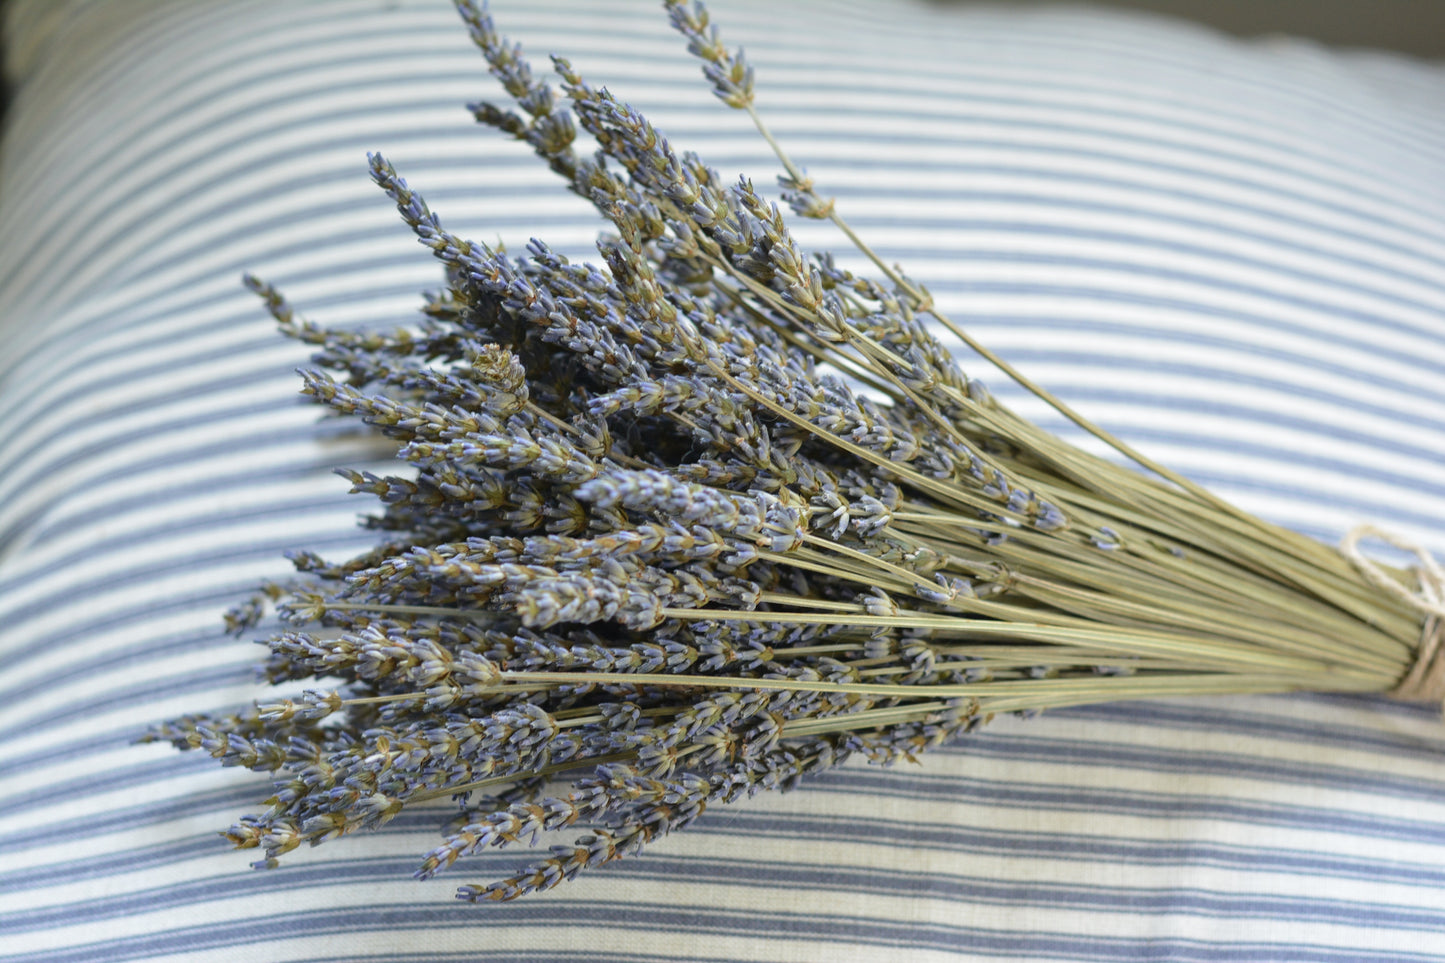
1230, 254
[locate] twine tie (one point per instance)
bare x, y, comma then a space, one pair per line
1425, 682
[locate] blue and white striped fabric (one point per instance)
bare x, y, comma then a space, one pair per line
1230, 254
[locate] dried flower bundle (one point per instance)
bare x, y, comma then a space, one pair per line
715, 514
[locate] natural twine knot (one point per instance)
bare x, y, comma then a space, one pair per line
1425, 682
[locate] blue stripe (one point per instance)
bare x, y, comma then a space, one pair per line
1122, 295
1215, 347
513, 955
1233, 716
941, 175
151, 813
131, 694
698, 923
956, 191
1042, 797
1183, 901
743, 823
233, 589
977, 842
1068, 797
958, 231
931, 130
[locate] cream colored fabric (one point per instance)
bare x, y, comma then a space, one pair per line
1229, 254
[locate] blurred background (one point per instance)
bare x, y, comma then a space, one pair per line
1410, 26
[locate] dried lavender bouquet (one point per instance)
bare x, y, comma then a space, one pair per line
716, 514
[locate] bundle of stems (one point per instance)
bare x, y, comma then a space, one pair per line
716, 514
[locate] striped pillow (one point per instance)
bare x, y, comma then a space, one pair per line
1230, 254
